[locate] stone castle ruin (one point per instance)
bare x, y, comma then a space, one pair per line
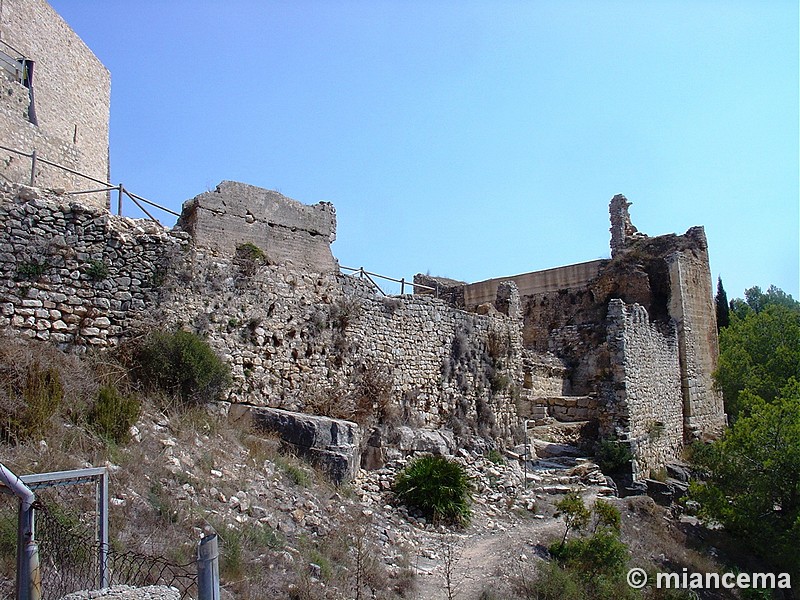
55, 97
622, 348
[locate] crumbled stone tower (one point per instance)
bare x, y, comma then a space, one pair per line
635, 336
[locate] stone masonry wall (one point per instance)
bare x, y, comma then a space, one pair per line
16, 131
312, 342
76, 275
296, 339
693, 309
284, 229
644, 404
72, 92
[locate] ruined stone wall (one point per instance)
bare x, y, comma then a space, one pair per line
315, 342
537, 282
296, 339
74, 274
284, 229
644, 404
72, 94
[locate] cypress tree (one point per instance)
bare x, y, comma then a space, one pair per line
721, 302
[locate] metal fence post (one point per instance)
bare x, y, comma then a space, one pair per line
33, 167
120, 190
208, 568
102, 529
27, 552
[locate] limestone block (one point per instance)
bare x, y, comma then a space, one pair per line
332, 444
286, 230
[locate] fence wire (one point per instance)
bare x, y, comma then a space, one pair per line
66, 528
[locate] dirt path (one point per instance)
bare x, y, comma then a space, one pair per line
482, 561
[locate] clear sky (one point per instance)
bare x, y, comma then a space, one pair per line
470, 139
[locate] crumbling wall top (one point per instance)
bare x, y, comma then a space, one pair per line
622, 230
286, 230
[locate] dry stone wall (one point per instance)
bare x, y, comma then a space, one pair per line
318, 342
74, 274
296, 339
643, 405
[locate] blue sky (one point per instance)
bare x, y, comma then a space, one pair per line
470, 139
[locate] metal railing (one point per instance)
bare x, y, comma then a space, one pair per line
58, 551
107, 187
368, 276
12, 61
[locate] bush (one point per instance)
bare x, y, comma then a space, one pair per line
41, 393
438, 487
97, 270
183, 364
113, 414
599, 554
249, 257
613, 456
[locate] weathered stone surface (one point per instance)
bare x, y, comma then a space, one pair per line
332, 444
67, 119
286, 230
308, 341
546, 449
126, 592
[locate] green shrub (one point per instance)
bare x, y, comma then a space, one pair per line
495, 457
249, 257
602, 553
113, 414
438, 487
41, 393
613, 456
606, 516
249, 251
30, 271
97, 270
552, 582
183, 364
296, 474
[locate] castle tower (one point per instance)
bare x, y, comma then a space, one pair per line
55, 98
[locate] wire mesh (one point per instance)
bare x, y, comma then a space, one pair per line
9, 507
66, 531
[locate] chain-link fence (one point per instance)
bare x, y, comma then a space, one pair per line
70, 529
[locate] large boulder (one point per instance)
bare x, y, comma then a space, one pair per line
330, 444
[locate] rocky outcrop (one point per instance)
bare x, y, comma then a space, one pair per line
330, 444
126, 592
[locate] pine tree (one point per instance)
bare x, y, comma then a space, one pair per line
721, 302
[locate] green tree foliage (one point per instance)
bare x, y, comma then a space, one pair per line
752, 474
588, 566
760, 350
721, 303
574, 512
753, 477
438, 487
613, 456
182, 363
